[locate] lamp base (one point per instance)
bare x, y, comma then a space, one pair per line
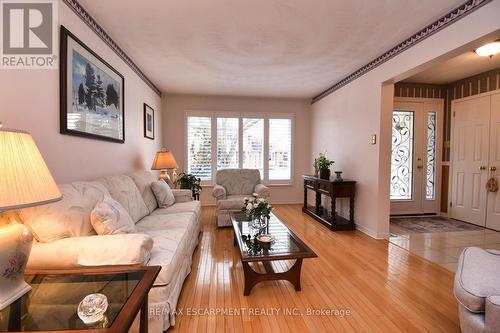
15, 247
164, 176
7, 297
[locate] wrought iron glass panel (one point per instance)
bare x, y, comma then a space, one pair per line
430, 181
402, 155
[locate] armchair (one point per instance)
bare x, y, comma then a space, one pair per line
231, 189
477, 289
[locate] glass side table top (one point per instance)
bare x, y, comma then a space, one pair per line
53, 301
286, 245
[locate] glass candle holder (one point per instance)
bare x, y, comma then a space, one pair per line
92, 308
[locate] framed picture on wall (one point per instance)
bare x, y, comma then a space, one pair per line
149, 122
92, 93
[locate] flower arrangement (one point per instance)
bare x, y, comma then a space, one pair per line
257, 208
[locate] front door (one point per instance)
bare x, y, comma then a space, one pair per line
416, 153
471, 136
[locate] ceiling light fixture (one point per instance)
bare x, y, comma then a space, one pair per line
489, 50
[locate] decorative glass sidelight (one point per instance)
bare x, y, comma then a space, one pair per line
430, 180
402, 155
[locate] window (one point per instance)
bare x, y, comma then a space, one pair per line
262, 142
199, 142
253, 144
227, 143
280, 149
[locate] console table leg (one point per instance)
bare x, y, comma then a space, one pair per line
318, 203
333, 220
351, 209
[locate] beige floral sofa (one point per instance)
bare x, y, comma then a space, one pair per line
231, 189
166, 236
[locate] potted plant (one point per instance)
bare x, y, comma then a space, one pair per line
323, 165
189, 181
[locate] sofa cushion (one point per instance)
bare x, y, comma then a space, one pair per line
143, 180
477, 277
232, 202
172, 234
69, 217
180, 207
110, 218
163, 193
238, 181
122, 188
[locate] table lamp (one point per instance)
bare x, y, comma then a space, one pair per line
164, 160
25, 181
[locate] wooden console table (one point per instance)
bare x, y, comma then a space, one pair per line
334, 190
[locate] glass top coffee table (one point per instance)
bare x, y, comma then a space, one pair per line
285, 246
52, 303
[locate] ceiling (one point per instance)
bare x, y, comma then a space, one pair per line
454, 69
269, 48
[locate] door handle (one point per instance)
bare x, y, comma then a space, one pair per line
482, 167
493, 168
419, 167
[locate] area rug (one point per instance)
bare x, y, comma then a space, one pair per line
432, 224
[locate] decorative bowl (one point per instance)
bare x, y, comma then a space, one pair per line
91, 309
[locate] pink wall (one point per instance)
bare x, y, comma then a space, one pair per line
29, 100
174, 107
343, 122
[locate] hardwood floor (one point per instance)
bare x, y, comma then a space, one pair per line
384, 287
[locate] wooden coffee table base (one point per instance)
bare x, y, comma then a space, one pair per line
252, 277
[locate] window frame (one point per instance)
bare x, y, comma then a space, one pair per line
240, 115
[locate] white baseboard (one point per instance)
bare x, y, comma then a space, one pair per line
371, 233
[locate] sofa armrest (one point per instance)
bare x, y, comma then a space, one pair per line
182, 195
262, 191
73, 252
219, 192
492, 314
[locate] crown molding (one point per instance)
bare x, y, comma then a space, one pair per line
99, 31
446, 20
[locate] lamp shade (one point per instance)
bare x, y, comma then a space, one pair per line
164, 159
25, 180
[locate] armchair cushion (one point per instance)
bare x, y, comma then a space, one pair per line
238, 181
219, 192
262, 191
232, 202
123, 249
477, 277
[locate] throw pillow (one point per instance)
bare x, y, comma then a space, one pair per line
110, 218
163, 193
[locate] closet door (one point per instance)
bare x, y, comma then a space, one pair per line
493, 203
471, 134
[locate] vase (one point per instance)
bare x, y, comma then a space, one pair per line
338, 178
324, 174
259, 222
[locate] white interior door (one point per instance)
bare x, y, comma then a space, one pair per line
493, 198
471, 134
416, 155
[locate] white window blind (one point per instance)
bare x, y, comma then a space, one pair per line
253, 144
227, 143
280, 149
199, 146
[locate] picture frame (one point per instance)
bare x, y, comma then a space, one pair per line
149, 122
92, 93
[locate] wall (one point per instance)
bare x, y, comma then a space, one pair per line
174, 107
30, 101
344, 121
